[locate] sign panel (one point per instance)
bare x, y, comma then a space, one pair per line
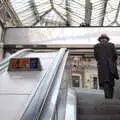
24, 64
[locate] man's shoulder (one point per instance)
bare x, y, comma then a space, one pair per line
96, 44
111, 44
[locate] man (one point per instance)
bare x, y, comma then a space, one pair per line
106, 56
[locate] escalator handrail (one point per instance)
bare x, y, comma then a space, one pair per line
55, 89
37, 99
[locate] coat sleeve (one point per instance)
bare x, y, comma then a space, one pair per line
114, 52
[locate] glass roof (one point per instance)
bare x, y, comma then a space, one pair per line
68, 12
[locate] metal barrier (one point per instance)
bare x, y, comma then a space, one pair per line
39, 97
71, 105
42, 103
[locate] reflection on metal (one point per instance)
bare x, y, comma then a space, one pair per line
71, 105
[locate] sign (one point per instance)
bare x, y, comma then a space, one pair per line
24, 64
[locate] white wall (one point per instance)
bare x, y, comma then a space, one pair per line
89, 73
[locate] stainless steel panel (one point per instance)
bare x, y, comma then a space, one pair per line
39, 98
12, 106
71, 105
18, 88
61, 104
19, 82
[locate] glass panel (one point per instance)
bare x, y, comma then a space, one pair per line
111, 12
42, 6
24, 10
98, 7
75, 12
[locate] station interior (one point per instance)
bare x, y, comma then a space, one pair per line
48, 70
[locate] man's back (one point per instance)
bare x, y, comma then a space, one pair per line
105, 51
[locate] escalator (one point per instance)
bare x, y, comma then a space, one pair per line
33, 95
91, 105
48, 94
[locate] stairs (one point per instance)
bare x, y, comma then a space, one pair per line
91, 106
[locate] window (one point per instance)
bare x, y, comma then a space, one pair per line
75, 81
95, 84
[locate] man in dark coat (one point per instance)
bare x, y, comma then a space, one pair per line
106, 56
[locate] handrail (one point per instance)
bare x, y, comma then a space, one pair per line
39, 96
48, 112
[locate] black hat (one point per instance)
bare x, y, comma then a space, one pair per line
103, 36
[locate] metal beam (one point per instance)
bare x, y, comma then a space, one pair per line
118, 12
59, 14
68, 14
88, 12
36, 13
52, 4
103, 12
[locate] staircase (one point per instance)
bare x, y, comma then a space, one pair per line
93, 106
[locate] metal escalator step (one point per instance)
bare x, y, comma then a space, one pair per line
98, 117
92, 101
103, 109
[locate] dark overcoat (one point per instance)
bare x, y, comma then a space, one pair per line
105, 54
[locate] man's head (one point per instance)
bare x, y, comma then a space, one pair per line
103, 38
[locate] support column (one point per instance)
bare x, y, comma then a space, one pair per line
67, 13
2, 31
103, 12
88, 12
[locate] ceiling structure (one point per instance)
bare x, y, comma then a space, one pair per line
67, 12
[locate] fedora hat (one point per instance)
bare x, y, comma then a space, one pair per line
103, 36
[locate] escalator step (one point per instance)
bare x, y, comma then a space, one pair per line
98, 117
103, 109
